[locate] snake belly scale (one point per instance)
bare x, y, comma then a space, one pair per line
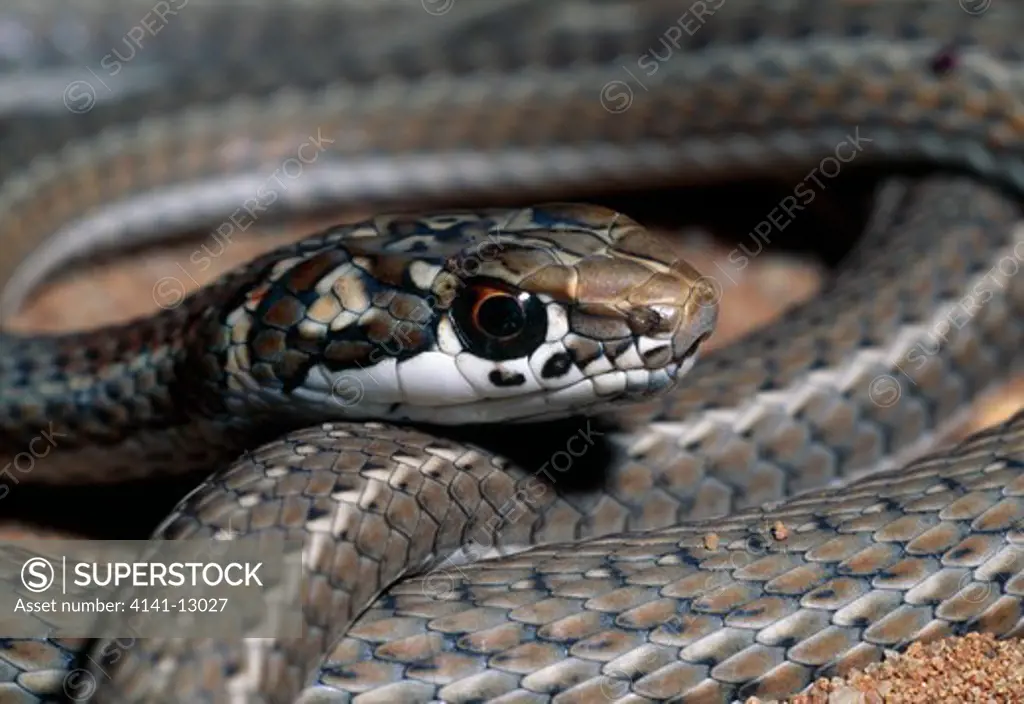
827, 549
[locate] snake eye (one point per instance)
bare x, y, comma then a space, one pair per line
497, 322
500, 315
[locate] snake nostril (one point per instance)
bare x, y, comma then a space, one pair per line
643, 320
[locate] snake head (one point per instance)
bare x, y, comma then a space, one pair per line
468, 317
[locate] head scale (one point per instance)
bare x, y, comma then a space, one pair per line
470, 317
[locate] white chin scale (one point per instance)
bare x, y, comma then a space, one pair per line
445, 394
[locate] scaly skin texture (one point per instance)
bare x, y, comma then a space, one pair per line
921, 319
363, 321
374, 502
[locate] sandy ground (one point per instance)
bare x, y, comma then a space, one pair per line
956, 670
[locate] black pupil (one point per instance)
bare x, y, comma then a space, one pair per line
501, 316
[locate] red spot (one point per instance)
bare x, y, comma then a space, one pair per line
944, 62
258, 294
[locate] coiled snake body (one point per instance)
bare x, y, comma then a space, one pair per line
674, 579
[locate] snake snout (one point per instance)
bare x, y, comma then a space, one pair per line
698, 318
678, 304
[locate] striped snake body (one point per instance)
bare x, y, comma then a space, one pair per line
734, 545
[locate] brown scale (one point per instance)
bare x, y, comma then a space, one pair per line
284, 313
1000, 617
795, 627
823, 647
606, 644
1009, 560
305, 275
667, 681
718, 647
538, 271
906, 573
351, 292
748, 664
969, 604
839, 593
726, 598
408, 307
269, 345
768, 567
761, 613
553, 281
892, 628
935, 540
651, 614
871, 560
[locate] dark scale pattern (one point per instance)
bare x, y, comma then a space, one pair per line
556, 366
887, 560
507, 379
174, 393
929, 549
895, 388
925, 550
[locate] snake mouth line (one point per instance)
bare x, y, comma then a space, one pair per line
597, 391
606, 388
637, 384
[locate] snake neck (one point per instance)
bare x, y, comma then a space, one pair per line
122, 383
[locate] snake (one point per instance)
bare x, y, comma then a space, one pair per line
756, 517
